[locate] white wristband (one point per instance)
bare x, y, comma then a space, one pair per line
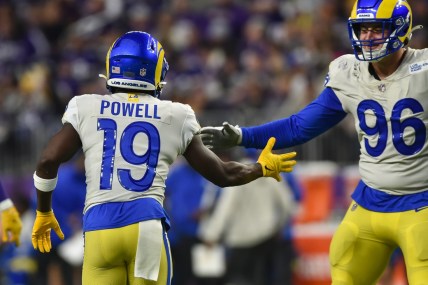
45, 185
5, 204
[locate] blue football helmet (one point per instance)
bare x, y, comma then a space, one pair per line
137, 61
395, 19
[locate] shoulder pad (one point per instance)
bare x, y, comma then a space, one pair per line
342, 69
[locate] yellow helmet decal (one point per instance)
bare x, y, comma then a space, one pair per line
108, 60
385, 9
158, 72
409, 31
354, 11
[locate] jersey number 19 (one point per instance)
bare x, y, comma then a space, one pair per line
150, 158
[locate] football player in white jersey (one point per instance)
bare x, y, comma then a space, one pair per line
129, 139
384, 87
11, 224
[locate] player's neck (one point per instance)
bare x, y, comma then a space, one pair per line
389, 64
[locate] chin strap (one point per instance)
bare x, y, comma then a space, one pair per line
158, 90
418, 27
415, 28
107, 86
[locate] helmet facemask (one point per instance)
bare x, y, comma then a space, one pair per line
374, 49
392, 19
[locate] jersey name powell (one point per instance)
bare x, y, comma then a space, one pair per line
137, 110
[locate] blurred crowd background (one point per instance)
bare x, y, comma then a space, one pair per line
242, 61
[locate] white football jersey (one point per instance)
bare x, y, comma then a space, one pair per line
129, 143
390, 118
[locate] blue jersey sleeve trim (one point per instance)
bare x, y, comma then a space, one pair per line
319, 116
378, 201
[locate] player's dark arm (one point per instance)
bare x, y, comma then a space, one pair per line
319, 116
61, 148
217, 171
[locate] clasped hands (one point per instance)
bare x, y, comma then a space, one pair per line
229, 136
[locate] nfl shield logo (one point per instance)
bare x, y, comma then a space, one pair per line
142, 71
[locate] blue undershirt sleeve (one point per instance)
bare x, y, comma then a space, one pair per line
319, 116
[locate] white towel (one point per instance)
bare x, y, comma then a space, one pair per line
149, 248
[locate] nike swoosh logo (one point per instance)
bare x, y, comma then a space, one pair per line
267, 168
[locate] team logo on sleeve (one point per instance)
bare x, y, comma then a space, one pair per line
418, 67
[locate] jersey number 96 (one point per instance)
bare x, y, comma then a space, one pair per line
398, 125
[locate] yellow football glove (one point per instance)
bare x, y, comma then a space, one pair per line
274, 164
41, 235
11, 225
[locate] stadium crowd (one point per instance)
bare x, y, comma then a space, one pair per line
261, 59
